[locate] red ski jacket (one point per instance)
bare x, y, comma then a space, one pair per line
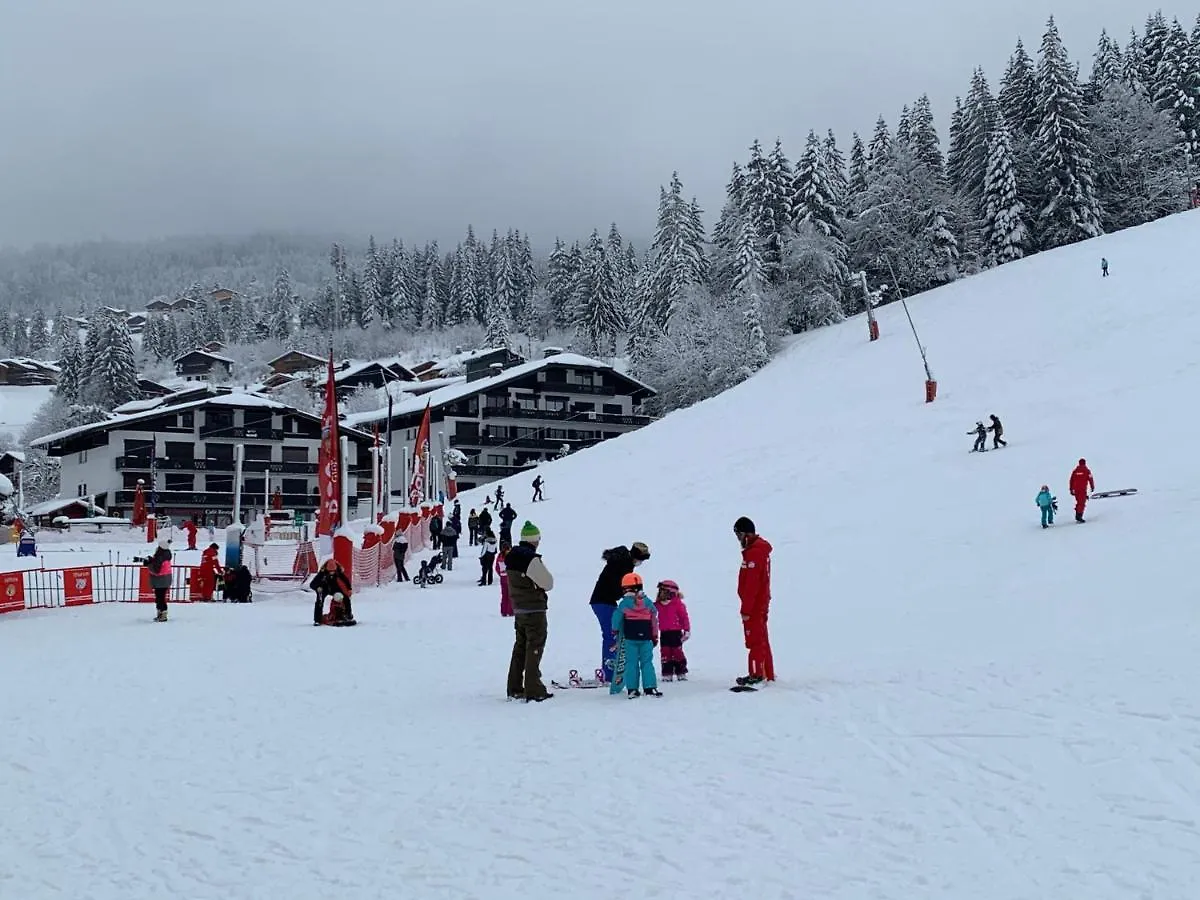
754, 579
1082, 481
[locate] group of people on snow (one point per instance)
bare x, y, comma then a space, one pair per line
1081, 485
981, 432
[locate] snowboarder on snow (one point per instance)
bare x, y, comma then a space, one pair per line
674, 628
636, 620
1047, 504
980, 433
754, 591
997, 431
1081, 483
1103, 267
537, 489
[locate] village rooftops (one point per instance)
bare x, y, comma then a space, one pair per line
216, 357
461, 390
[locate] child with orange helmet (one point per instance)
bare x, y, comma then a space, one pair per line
635, 626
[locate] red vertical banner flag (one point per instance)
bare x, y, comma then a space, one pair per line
12, 592
77, 586
416, 487
329, 471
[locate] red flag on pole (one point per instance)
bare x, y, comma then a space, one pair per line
416, 487
329, 473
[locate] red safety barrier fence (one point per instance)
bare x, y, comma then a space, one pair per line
84, 585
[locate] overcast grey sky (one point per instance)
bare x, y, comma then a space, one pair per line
145, 118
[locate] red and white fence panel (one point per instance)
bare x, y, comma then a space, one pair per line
85, 585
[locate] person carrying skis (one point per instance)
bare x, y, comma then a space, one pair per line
980, 433
537, 489
997, 431
636, 620
674, 628
333, 583
1047, 504
472, 528
159, 564
618, 562
529, 584
754, 592
487, 557
1081, 484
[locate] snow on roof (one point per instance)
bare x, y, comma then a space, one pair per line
316, 359
46, 507
18, 455
208, 353
236, 400
26, 362
134, 406
6, 486
453, 392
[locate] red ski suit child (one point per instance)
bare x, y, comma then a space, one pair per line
190, 527
204, 576
1081, 484
754, 590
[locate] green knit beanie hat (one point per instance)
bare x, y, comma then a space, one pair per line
529, 532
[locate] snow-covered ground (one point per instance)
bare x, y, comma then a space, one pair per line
968, 706
18, 405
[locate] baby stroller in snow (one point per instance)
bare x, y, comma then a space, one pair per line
237, 587
428, 573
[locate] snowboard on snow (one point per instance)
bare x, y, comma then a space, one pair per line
618, 682
575, 680
743, 689
1100, 495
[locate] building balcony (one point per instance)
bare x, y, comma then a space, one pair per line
562, 415
473, 471
525, 443
216, 500
250, 432
163, 463
567, 387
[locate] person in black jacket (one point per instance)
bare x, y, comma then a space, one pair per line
507, 515
618, 562
399, 553
332, 582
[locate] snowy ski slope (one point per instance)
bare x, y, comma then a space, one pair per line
968, 706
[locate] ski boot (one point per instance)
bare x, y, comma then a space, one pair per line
681, 678
161, 616
748, 680
668, 678
652, 692
634, 693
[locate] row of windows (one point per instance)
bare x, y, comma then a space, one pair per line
186, 450
223, 483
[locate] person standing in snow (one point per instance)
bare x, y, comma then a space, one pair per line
1046, 503
189, 528
1103, 267
1081, 484
472, 528
499, 496
537, 489
206, 575
754, 592
997, 431
435, 531
674, 628
980, 433
529, 584
506, 608
635, 620
487, 557
485, 519
618, 562
507, 515
449, 542
400, 555
159, 564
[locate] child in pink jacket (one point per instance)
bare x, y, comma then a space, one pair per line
674, 628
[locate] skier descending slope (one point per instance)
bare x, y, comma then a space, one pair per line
754, 591
1081, 483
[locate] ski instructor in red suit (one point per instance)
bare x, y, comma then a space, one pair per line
754, 590
1081, 483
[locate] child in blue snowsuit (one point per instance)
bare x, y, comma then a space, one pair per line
636, 620
1047, 504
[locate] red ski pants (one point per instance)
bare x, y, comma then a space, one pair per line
758, 642
1081, 500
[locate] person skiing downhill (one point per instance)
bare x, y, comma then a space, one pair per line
537, 489
754, 591
980, 433
636, 620
1081, 483
1047, 504
997, 430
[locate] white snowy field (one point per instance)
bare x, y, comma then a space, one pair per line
18, 405
968, 706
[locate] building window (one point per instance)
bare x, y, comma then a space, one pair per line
219, 452
584, 407
294, 486
129, 480
295, 454
82, 490
255, 487
180, 450
180, 482
612, 409
219, 484
497, 459
258, 452
556, 404
556, 434
83, 456
141, 449
187, 420
219, 419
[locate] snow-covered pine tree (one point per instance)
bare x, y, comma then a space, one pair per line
1069, 210
835, 165
282, 306
858, 166
560, 284
151, 337
880, 148
507, 300
370, 313
598, 306
1006, 235
904, 128
39, 334
676, 258
768, 200
431, 310
757, 353
925, 144
748, 270
112, 377
71, 371
1154, 48
956, 154
407, 294
496, 320
980, 112
527, 275
1107, 67
733, 211
1134, 63
813, 191
1139, 165
1178, 89
1019, 96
